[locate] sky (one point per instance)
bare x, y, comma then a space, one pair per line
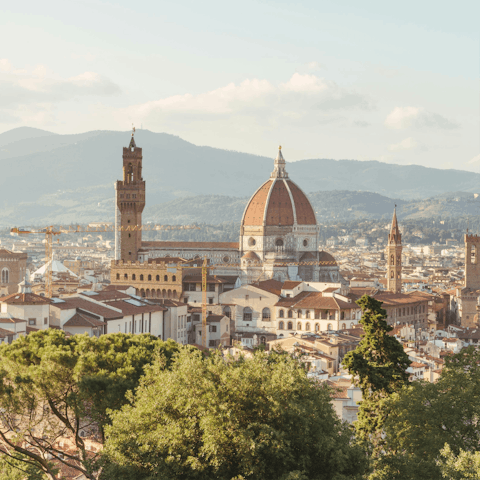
396, 82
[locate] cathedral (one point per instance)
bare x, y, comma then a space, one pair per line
278, 234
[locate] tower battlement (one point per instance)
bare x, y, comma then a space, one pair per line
471, 238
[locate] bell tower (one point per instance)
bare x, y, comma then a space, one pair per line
130, 199
394, 257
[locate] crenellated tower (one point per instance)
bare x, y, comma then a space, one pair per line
394, 257
130, 200
472, 264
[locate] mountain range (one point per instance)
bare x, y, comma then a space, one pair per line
50, 178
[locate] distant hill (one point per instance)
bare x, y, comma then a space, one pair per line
50, 178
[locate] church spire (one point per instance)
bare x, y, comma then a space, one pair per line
132, 141
279, 166
395, 235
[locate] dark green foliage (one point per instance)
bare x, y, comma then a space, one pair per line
379, 366
257, 418
424, 417
54, 386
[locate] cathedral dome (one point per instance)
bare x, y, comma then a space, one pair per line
279, 202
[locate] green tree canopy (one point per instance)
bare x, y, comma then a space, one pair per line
55, 387
425, 417
378, 365
258, 418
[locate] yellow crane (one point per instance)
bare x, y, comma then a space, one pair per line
51, 231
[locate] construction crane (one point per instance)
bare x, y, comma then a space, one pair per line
51, 231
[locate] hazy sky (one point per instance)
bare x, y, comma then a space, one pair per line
391, 81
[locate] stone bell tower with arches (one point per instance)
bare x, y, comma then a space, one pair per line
130, 202
394, 257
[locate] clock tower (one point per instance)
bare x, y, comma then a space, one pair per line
394, 257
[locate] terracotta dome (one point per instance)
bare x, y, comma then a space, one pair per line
251, 256
279, 201
326, 258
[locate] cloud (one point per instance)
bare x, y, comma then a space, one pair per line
25, 93
475, 159
415, 117
302, 99
407, 144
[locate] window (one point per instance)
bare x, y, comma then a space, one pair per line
118, 276
290, 326
129, 235
190, 287
174, 278
281, 314
134, 277
317, 327
307, 314
307, 327
305, 243
157, 278
299, 326
392, 260
210, 301
473, 255
392, 274
247, 314
32, 321
141, 278
317, 314
403, 312
211, 343
213, 329
125, 276
266, 314
45, 320
251, 242
279, 242
211, 287
342, 315
290, 314
165, 278
344, 326
149, 278
280, 325
227, 312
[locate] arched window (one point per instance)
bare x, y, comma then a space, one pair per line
392, 259
142, 292
280, 325
147, 293
134, 277
174, 278
247, 314
344, 326
118, 276
263, 340
266, 314
342, 315
299, 326
392, 274
174, 293
289, 326
290, 314
5, 275
157, 278
149, 278
307, 327
317, 327
169, 293
227, 312
329, 326
165, 278
281, 314
307, 315
130, 173
164, 293
279, 242
141, 278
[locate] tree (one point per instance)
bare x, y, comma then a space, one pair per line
424, 417
378, 365
57, 389
463, 466
258, 418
